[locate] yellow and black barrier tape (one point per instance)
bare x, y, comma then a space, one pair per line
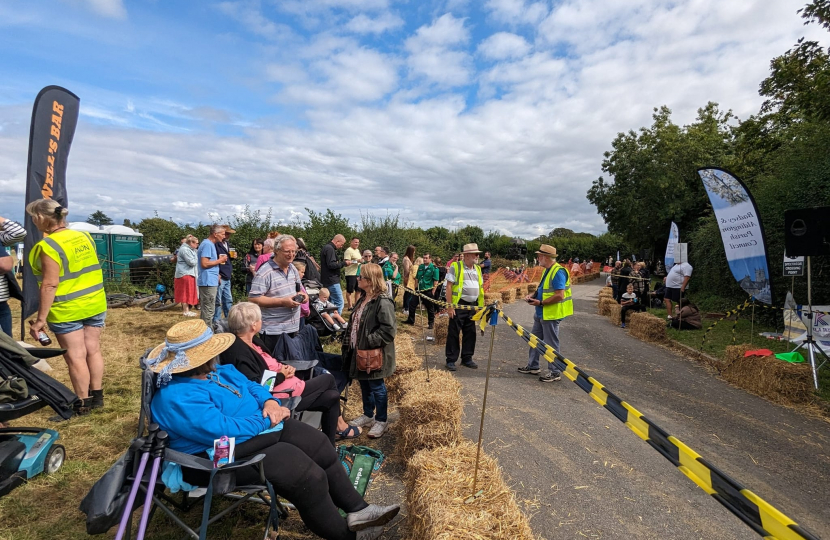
763, 518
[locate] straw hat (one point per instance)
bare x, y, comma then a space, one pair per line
228, 229
470, 248
545, 249
184, 357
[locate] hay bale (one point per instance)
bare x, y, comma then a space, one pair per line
440, 328
769, 377
531, 288
508, 295
521, 292
406, 361
438, 481
491, 297
606, 292
430, 412
604, 305
647, 327
613, 313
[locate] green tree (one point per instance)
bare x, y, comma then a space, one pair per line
99, 218
161, 232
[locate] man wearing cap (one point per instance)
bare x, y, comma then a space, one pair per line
552, 300
465, 287
224, 299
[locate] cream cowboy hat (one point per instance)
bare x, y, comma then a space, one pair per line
470, 248
545, 249
188, 345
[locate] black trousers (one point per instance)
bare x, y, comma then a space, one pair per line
464, 325
320, 394
415, 301
680, 324
630, 307
305, 470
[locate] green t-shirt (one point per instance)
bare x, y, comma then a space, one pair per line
426, 276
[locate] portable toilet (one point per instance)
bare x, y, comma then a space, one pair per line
102, 244
125, 245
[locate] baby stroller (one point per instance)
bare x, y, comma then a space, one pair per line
27, 452
315, 319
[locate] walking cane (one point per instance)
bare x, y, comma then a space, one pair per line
145, 447
158, 454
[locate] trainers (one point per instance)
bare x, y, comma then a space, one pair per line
551, 377
451, 366
527, 370
371, 516
362, 421
622, 325
344, 325
470, 364
378, 429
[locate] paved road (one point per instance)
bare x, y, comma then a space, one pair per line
580, 473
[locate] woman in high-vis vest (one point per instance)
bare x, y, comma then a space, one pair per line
72, 298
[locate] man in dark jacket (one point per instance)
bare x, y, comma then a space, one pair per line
330, 267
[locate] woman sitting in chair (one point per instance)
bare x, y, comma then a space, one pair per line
249, 355
198, 402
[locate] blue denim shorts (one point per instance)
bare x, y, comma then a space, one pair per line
96, 321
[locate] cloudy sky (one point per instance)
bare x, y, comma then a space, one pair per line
447, 112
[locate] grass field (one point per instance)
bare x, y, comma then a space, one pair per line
47, 507
722, 336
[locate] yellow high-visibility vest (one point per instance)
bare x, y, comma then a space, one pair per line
458, 269
80, 292
559, 310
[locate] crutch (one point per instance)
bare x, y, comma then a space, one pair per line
144, 446
158, 453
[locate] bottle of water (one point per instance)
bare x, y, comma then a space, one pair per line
221, 452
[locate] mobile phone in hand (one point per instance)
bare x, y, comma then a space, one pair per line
299, 298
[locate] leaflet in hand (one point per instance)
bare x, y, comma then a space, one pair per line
269, 379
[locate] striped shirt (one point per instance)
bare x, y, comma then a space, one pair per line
272, 282
10, 232
469, 287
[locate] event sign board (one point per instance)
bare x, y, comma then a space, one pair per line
54, 117
741, 231
793, 266
674, 238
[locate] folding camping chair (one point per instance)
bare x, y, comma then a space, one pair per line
222, 481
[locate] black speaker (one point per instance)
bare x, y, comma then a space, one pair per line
807, 232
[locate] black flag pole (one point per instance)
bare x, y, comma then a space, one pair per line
54, 117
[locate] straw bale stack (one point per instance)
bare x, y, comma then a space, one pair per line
491, 297
440, 329
508, 295
430, 412
531, 288
647, 327
438, 481
406, 361
604, 305
606, 291
521, 291
767, 376
613, 313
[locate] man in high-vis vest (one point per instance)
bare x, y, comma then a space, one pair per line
552, 300
464, 287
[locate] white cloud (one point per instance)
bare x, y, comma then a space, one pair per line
515, 12
435, 53
503, 45
108, 8
362, 24
186, 205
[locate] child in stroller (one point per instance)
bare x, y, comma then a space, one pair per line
328, 311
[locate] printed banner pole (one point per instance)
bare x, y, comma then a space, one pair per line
674, 238
54, 117
741, 231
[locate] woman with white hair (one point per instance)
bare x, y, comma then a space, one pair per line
72, 298
184, 280
249, 355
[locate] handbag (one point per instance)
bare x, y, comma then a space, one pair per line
369, 360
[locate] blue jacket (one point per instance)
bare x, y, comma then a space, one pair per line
194, 412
